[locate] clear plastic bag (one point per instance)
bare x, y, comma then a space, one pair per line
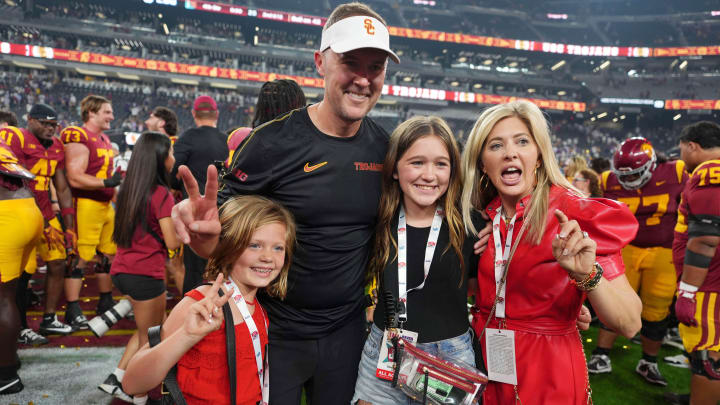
431, 380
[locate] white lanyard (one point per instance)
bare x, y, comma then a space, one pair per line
501, 258
254, 335
402, 257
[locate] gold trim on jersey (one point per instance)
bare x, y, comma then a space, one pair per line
680, 170
9, 137
605, 175
74, 132
703, 164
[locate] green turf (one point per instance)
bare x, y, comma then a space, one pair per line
623, 385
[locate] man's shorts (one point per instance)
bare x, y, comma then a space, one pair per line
21, 223
705, 336
95, 225
651, 273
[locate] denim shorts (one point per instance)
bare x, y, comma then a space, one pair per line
380, 392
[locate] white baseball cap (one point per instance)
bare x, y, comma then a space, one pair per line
357, 32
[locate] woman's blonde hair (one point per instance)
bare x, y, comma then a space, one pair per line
576, 164
402, 138
478, 192
240, 217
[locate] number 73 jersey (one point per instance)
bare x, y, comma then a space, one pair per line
655, 205
42, 162
100, 159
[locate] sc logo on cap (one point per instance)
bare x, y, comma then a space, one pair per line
369, 26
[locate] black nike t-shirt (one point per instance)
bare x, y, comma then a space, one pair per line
332, 187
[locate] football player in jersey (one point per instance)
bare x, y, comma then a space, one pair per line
89, 164
696, 258
21, 222
38, 150
650, 186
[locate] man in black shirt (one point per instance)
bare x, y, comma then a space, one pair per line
323, 163
197, 148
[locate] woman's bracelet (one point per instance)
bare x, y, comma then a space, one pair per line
592, 280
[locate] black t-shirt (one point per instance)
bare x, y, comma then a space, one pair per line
332, 187
439, 310
197, 148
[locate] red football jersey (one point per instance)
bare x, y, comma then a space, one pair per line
654, 205
700, 197
100, 159
42, 162
12, 172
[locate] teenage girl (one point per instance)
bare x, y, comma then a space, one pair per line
421, 184
254, 251
143, 233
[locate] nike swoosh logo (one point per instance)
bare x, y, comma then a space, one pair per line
660, 183
309, 168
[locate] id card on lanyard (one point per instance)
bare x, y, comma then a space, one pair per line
263, 370
402, 257
386, 362
500, 343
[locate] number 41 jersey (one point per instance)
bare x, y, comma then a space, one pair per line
100, 160
655, 205
41, 161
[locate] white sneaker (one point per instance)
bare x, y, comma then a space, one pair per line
678, 360
599, 364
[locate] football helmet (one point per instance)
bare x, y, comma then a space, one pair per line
634, 162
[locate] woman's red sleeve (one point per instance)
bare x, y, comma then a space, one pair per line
609, 223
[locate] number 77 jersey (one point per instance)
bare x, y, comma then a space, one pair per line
41, 161
655, 205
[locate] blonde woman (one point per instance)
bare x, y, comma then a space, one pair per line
559, 249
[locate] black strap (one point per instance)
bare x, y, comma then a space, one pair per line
230, 343
170, 381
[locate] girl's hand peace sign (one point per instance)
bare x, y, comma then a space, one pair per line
206, 315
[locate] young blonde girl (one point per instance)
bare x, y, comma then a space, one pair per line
421, 184
253, 252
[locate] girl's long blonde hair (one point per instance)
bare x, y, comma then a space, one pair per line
478, 190
400, 141
240, 217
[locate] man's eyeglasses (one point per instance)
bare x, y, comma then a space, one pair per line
51, 124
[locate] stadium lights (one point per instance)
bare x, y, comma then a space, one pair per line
561, 93
615, 119
558, 65
221, 85
677, 117
90, 72
487, 62
407, 79
592, 119
602, 115
622, 117
683, 65
531, 91
128, 77
29, 65
632, 72
166, 29
604, 65
513, 64
454, 83
477, 85
185, 81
